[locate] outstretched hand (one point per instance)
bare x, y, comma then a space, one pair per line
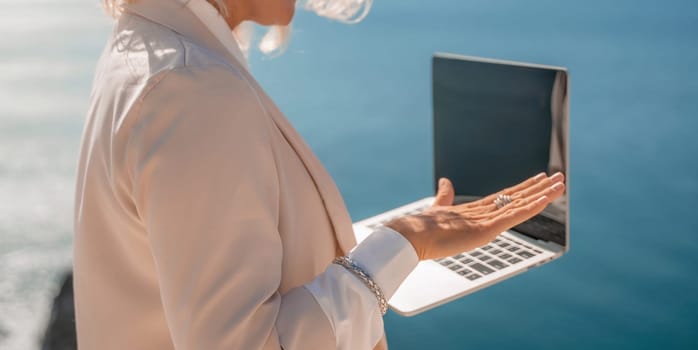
446, 229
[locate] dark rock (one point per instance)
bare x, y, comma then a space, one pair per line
60, 331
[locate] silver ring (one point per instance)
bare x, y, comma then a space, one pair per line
502, 200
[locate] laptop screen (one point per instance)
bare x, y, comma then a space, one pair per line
497, 124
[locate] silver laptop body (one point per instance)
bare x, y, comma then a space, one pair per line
496, 123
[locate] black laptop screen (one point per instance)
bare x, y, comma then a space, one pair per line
497, 124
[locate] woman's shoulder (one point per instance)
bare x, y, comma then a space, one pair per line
147, 64
144, 50
150, 78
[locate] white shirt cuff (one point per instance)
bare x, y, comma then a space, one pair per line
350, 307
386, 256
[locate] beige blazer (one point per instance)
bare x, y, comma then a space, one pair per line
199, 210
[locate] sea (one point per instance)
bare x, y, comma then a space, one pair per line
361, 97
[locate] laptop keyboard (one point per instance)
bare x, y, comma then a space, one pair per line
501, 253
498, 254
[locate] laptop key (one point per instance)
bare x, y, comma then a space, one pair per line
446, 262
484, 258
514, 260
526, 254
504, 244
495, 252
513, 248
473, 276
455, 267
482, 268
505, 256
476, 253
458, 256
464, 272
466, 261
497, 264
487, 247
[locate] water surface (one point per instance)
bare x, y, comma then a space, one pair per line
360, 95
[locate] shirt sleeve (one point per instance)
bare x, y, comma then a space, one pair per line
204, 183
388, 258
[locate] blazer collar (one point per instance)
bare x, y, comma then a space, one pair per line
175, 15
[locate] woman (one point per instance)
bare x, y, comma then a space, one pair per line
202, 219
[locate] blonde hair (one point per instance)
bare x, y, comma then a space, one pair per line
276, 38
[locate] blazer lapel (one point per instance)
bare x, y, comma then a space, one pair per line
332, 198
175, 15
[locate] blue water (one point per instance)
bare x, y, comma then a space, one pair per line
360, 95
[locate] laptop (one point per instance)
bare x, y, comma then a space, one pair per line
495, 123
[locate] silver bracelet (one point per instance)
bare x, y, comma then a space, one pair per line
366, 279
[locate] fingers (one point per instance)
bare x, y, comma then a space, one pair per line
445, 194
509, 191
509, 217
538, 187
553, 192
516, 216
522, 194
